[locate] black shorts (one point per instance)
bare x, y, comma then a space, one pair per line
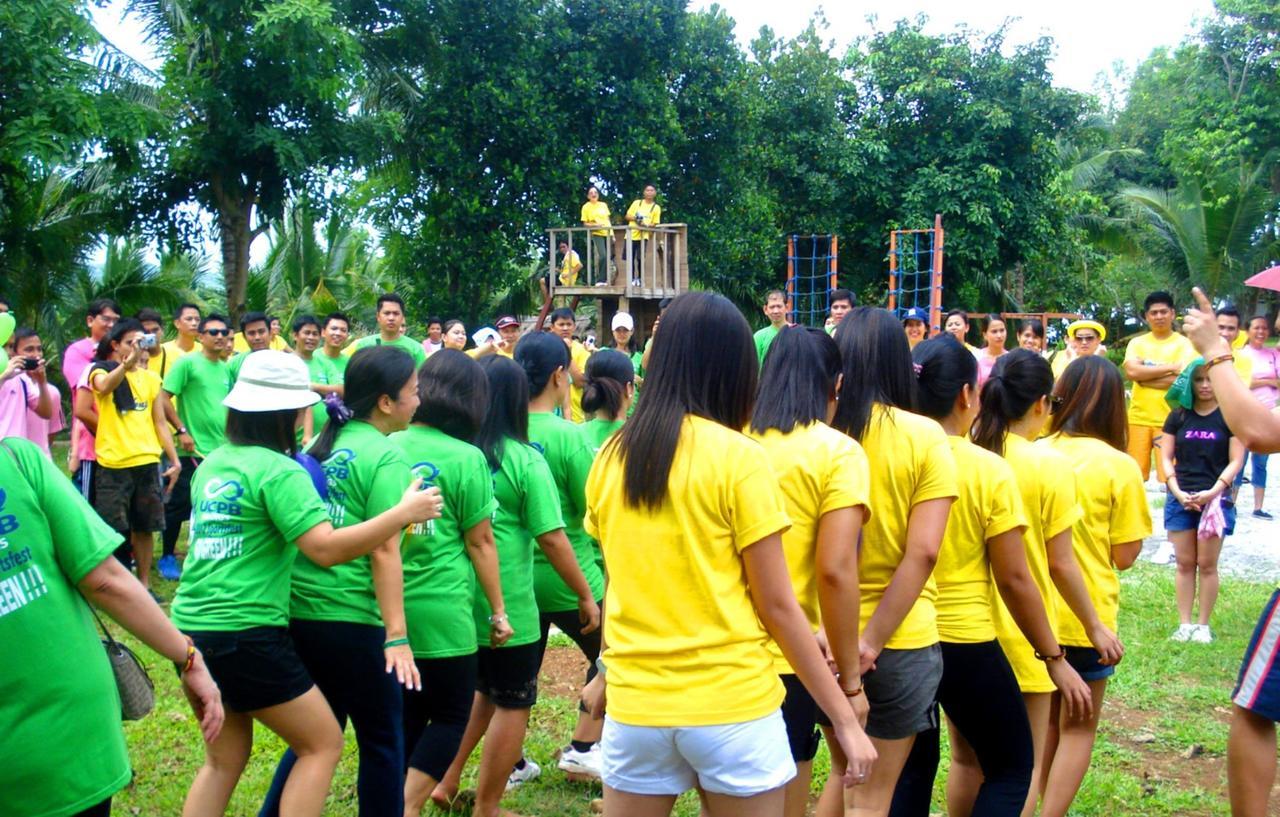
129, 499
1087, 662
508, 676
254, 668
800, 713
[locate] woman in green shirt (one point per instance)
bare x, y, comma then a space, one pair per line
607, 395
347, 621
255, 507
442, 561
528, 512
569, 454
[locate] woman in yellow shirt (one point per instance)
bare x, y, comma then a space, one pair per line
913, 483
982, 556
825, 480
1015, 408
693, 697
1089, 428
595, 214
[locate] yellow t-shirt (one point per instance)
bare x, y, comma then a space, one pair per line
685, 646
1243, 365
129, 438
596, 213
987, 506
579, 354
819, 470
1147, 406
239, 344
162, 359
569, 268
652, 215
911, 463
1113, 507
1048, 489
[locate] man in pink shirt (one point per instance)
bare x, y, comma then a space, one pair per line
100, 316
24, 390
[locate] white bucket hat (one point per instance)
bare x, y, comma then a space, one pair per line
271, 381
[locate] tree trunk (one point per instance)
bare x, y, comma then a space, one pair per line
235, 236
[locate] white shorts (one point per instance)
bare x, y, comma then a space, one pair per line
737, 759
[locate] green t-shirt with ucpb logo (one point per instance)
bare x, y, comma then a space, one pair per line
569, 455
439, 581
248, 506
61, 746
528, 506
366, 476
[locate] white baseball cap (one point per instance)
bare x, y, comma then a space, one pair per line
623, 320
271, 381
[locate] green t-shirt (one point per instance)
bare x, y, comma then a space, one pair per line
249, 504
404, 342
366, 476
62, 744
201, 384
569, 456
234, 364
528, 506
321, 370
764, 339
597, 432
339, 363
439, 582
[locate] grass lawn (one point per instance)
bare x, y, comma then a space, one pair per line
1177, 693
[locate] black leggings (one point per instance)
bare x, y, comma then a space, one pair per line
980, 695
571, 625
436, 715
103, 809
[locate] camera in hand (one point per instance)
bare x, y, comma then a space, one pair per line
147, 340
30, 363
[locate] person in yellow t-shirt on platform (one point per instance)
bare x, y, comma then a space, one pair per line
1013, 415
693, 695
825, 483
132, 434
1088, 428
983, 556
563, 324
643, 213
595, 213
570, 265
1152, 361
913, 484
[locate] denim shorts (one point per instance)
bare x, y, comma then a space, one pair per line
1087, 662
1178, 518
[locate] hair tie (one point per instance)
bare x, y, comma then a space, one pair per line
336, 409
917, 368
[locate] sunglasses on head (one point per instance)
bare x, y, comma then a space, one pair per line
218, 333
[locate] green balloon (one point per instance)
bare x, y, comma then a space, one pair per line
7, 325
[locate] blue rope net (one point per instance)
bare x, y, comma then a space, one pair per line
914, 257
809, 286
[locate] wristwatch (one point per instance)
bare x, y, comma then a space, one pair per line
600, 667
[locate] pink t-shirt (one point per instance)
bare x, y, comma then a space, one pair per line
1266, 364
38, 428
16, 401
985, 364
77, 357
86, 451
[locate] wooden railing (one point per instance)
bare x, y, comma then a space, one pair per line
613, 265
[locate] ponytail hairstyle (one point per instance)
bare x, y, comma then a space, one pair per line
877, 368
1088, 401
608, 374
798, 380
943, 368
508, 415
374, 371
539, 354
1017, 381
453, 394
703, 363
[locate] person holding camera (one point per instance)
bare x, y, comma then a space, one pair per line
643, 214
24, 390
131, 434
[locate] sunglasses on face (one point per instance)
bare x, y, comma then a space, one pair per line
218, 333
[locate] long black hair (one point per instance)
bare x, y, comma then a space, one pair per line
453, 394
268, 429
508, 415
798, 380
877, 368
703, 363
605, 386
1018, 380
123, 327
945, 367
372, 372
540, 354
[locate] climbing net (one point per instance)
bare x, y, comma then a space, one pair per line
915, 272
811, 275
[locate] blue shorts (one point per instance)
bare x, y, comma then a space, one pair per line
1087, 662
1177, 517
1258, 689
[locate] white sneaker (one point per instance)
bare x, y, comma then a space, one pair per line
585, 763
1183, 633
519, 777
1163, 554
1202, 634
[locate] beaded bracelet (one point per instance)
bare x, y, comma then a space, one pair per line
1210, 363
191, 656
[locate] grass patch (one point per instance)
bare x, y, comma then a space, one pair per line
1178, 692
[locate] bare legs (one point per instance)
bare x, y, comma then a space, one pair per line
873, 798
503, 730
1251, 763
1197, 559
1068, 749
144, 543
